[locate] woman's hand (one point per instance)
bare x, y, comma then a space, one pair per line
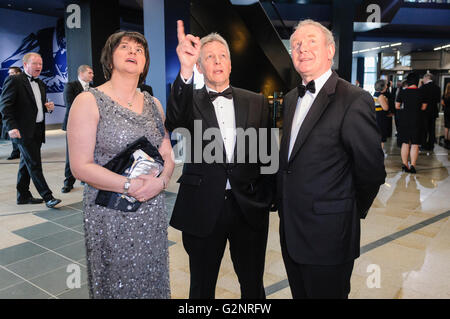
151, 187
135, 185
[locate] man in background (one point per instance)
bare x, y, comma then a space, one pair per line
23, 106
432, 95
71, 90
15, 153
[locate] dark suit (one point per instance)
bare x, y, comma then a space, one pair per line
329, 182
208, 215
71, 90
432, 95
19, 110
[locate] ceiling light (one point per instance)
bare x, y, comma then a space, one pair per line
438, 48
385, 46
396, 44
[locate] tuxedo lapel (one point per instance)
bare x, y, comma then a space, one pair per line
240, 110
240, 116
79, 87
28, 88
315, 112
41, 85
206, 108
291, 105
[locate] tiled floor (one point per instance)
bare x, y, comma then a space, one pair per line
405, 238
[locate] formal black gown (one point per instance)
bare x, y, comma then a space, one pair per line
410, 126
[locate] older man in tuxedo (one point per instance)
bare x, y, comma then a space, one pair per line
71, 90
23, 106
331, 168
219, 200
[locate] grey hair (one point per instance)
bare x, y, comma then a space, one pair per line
27, 56
83, 68
429, 76
380, 85
214, 36
327, 33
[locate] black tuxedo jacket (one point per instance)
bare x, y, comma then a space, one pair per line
71, 90
18, 105
202, 185
333, 175
432, 95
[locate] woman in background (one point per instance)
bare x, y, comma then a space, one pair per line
382, 108
409, 135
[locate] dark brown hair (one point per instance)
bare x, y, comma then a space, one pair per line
111, 45
16, 69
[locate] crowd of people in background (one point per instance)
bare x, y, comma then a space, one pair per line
414, 105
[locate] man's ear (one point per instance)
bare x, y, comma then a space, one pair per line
199, 68
331, 50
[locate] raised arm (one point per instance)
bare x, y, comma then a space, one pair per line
179, 105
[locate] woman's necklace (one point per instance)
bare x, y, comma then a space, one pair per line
130, 103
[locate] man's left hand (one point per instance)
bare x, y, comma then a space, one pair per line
50, 106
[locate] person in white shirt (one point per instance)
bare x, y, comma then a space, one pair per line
23, 104
220, 200
71, 90
331, 167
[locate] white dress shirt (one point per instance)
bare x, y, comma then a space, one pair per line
224, 109
303, 106
38, 98
85, 85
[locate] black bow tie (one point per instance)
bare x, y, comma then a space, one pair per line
32, 79
311, 87
228, 93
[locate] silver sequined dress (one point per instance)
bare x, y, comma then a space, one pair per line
127, 253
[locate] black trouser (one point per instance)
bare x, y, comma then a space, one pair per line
15, 148
70, 180
31, 166
316, 281
247, 249
429, 131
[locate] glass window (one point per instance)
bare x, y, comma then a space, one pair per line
388, 62
370, 74
405, 60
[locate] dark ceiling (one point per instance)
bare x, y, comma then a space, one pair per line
419, 27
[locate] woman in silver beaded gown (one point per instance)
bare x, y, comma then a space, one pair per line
127, 252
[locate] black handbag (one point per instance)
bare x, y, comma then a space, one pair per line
119, 164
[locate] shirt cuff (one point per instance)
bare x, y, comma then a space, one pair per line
188, 81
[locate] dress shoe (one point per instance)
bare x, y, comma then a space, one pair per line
405, 168
66, 188
412, 170
52, 202
30, 200
13, 156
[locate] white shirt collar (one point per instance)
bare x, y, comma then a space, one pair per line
83, 84
29, 76
320, 81
208, 89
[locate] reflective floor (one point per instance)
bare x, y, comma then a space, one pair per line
405, 240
